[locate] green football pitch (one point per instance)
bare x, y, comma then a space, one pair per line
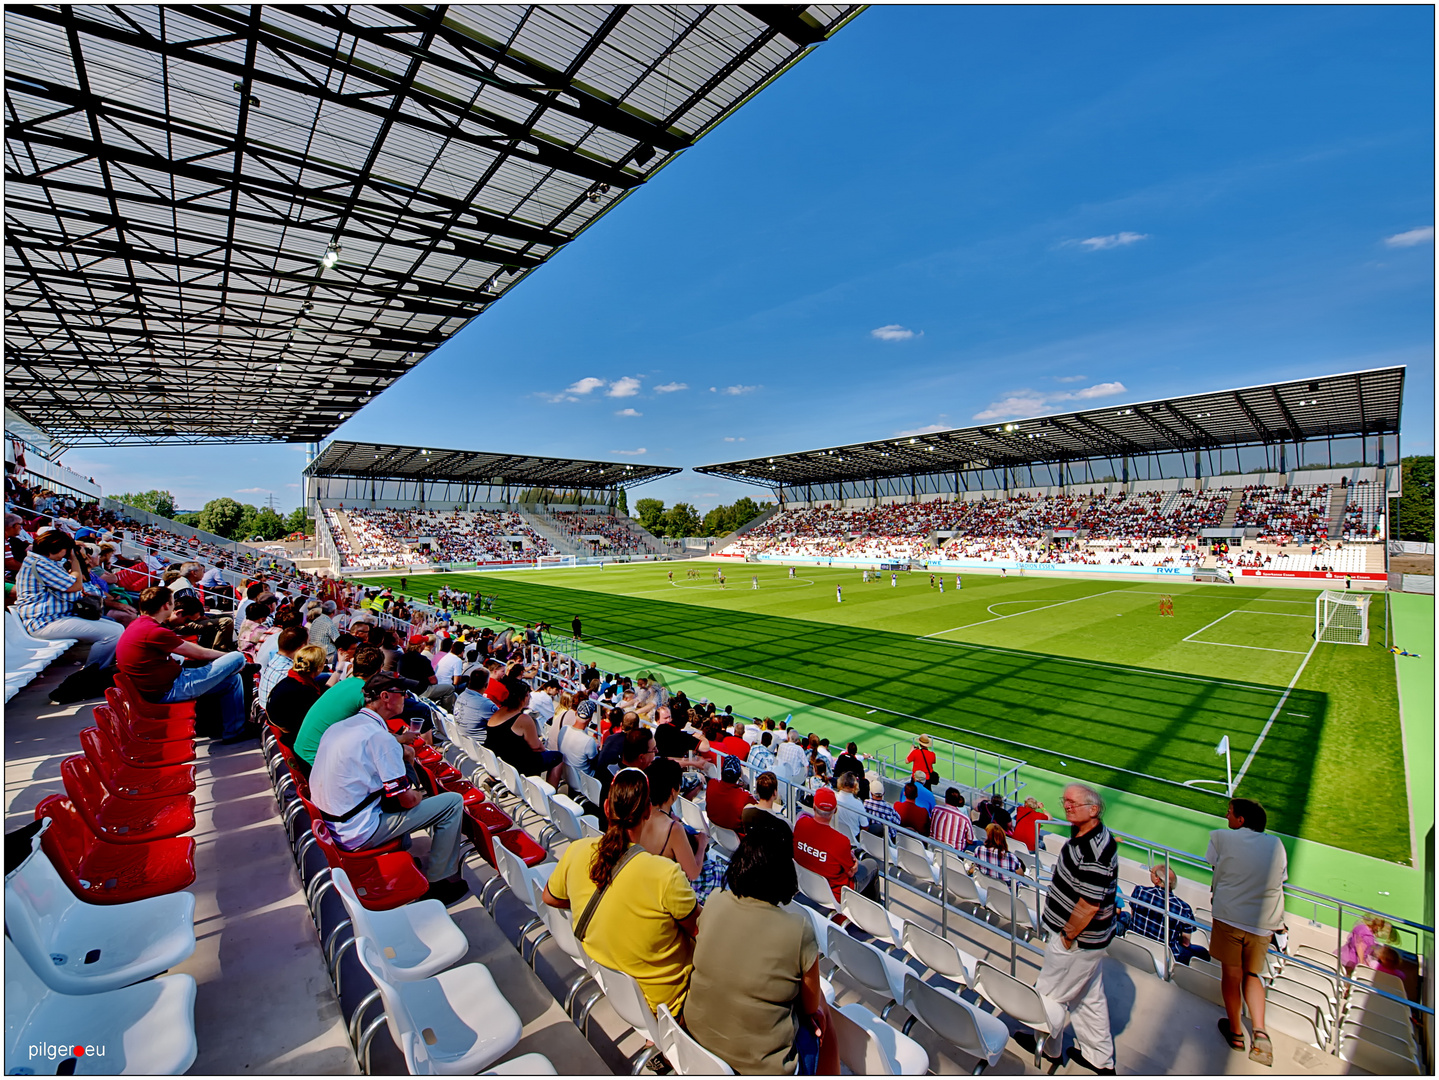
1079, 677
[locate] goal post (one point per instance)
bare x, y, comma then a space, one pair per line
1341, 618
542, 561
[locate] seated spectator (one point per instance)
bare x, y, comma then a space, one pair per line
564, 717
450, 664
361, 784
767, 1013
144, 651
290, 699
580, 748
923, 796
342, 700
292, 639
725, 800
818, 846
285, 615
542, 708
849, 816
345, 646
912, 816
734, 742
645, 922
791, 762
415, 665
612, 748
473, 708
761, 755
1149, 920
47, 585
992, 812
256, 590
1026, 818
256, 628
191, 623
766, 792
323, 631
850, 761
949, 824
876, 809
512, 734
662, 833
996, 853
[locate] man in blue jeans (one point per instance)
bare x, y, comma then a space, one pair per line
144, 654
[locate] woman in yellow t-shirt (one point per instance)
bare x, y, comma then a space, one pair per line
646, 922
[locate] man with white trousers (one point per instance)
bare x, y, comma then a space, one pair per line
1079, 913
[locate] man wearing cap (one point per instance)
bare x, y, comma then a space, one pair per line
820, 847
923, 797
473, 708
580, 748
361, 786
725, 800
876, 808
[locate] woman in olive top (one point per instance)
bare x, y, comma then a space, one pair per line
755, 997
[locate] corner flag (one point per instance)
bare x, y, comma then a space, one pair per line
1223, 745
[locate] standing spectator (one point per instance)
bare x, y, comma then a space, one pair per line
949, 824
645, 922
144, 654
1149, 920
765, 1014
1079, 912
49, 582
1359, 947
1250, 868
912, 816
921, 758
820, 847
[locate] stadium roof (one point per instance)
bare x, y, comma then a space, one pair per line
238, 223
384, 462
1362, 402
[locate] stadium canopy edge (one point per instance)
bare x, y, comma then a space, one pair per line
212, 205
1275, 415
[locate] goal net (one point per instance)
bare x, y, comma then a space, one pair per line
1341, 618
554, 560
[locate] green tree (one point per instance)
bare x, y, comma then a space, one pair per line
624, 502
266, 524
156, 502
719, 521
682, 520
300, 521
191, 519
651, 515
222, 516
1415, 518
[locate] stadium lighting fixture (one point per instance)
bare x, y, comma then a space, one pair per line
331, 256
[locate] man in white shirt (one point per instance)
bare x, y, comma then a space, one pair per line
154, 563
752, 733
790, 760
849, 815
449, 666
542, 708
359, 764
1250, 868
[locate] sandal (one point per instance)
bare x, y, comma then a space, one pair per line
1262, 1051
1235, 1039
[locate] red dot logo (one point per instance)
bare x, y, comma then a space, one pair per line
79, 1051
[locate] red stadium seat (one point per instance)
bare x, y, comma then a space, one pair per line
103, 873
523, 845
131, 781
120, 820
381, 881
151, 726
180, 710
138, 752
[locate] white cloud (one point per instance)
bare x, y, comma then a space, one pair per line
928, 429
1411, 238
585, 385
733, 438
631, 453
292, 485
1033, 403
1114, 240
628, 412
671, 387
624, 387
892, 332
252, 491
735, 391
1070, 378
713, 389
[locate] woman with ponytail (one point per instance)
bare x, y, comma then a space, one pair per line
645, 920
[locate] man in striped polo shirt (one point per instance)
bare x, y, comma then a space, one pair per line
1079, 914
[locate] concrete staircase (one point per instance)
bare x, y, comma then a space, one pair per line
1231, 509
1338, 500
354, 541
650, 540
723, 541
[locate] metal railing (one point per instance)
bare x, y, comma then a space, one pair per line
988, 771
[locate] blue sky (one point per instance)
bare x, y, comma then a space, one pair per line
951, 214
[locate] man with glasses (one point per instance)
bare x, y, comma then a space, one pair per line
361, 785
1079, 914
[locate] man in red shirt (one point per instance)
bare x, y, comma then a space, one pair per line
912, 816
725, 800
143, 653
820, 847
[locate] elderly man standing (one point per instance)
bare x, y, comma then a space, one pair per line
1250, 868
1079, 914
